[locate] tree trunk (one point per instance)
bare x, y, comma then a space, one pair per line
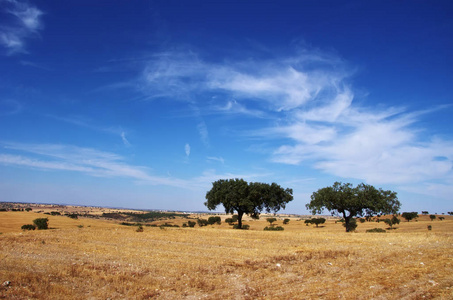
240, 214
346, 221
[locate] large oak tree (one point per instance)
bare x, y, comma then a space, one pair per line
348, 201
247, 198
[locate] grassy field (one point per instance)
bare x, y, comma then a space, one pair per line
98, 259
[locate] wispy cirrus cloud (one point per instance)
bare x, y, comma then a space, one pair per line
312, 116
92, 162
21, 21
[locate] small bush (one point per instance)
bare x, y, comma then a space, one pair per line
191, 223
362, 220
55, 213
28, 227
73, 216
430, 227
214, 220
432, 217
376, 230
202, 222
274, 228
140, 228
41, 223
286, 221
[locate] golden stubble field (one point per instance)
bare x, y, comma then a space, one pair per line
97, 259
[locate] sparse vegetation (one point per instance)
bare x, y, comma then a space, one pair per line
107, 260
432, 217
393, 221
274, 228
286, 221
379, 230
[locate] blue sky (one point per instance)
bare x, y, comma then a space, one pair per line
143, 104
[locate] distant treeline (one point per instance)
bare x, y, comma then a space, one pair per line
144, 217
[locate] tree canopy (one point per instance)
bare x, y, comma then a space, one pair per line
247, 198
348, 201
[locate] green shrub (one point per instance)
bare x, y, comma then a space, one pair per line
286, 221
191, 223
202, 222
214, 220
73, 216
376, 230
140, 228
28, 227
274, 228
432, 217
430, 227
41, 223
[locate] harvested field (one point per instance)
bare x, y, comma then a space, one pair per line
97, 259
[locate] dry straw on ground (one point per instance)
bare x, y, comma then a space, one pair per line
94, 259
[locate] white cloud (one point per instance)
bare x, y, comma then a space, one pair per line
124, 139
313, 118
214, 158
26, 23
187, 150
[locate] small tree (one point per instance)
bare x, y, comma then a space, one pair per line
41, 223
286, 221
409, 215
432, 217
307, 222
424, 212
271, 220
441, 218
393, 221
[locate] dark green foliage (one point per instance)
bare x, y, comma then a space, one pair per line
41, 223
55, 213
348, 201
441, 218
286, 221
28, 227
140, 228
229, 221
430, 227
409, 215
362, 220
432, 217
380, 230
191, 223
271, 220
425, 212
214, 220
202, 222
28, 209
315, 221
274, 228
247, 198
450, 213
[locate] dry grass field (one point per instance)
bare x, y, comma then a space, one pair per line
98, 259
